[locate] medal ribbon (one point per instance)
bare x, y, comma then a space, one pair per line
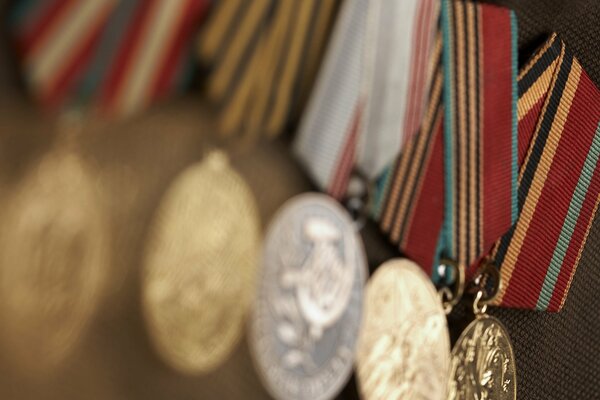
372, 85
396, 76
559, 182
452, 191
328, 132
116, 56
480, 128
262, 57
558, 192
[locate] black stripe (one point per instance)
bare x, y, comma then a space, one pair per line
456, 126
541, 65
290, 32
249, 51
538, 146
478, 144
546, 125
229, 34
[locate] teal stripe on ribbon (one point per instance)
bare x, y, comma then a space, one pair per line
570, 222
381, 187
515, 119
445, 243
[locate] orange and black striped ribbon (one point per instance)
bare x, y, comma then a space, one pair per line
262, 58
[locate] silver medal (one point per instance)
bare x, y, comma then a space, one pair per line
309, 304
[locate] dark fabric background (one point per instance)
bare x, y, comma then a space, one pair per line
558, 355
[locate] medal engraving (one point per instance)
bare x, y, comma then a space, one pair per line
483, 363
404, 350
53, 258
200, 264
308, 310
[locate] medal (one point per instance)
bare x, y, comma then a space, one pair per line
200, 263
309, 304
483, 362
53, 259
404, 349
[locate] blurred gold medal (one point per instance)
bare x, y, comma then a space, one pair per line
200, 263
53, 258
404, 349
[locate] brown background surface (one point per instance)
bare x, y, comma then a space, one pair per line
558, 355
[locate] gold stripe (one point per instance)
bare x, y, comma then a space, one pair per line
536, 57
271, 53
541, 173
325, 17
474, 131
290, 72
538, 90
234, 113
225, 73
424, 148
461, 106
480, 128
213, 36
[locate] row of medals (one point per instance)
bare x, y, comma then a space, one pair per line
201, 287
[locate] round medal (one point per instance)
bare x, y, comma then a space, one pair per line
200, 264
404, 349
309, 305
53, 258
483, 363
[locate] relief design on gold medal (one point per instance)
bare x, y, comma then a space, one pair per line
308, 310
483, 363
53, 259
200, 263
404, 350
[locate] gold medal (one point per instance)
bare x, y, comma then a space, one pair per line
200, 263
53, 259
404, 349
483, 362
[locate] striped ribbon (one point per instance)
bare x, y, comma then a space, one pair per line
399, 42
559, 181
480, 127
558, 114
117, 55
452, 191
327, 136
370, 94
409, 197
262, 57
